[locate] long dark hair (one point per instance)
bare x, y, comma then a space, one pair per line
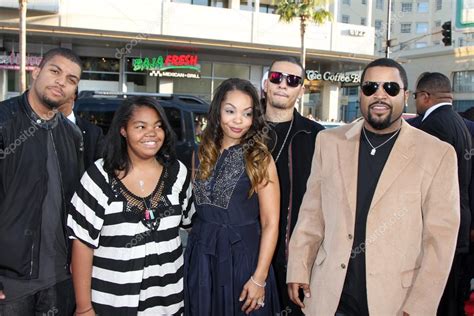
257, 156
115, 148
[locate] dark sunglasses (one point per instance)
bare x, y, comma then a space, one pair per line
277, 77
370, 87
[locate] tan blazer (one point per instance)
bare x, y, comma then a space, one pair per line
411, 227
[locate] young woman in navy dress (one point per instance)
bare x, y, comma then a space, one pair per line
236, 195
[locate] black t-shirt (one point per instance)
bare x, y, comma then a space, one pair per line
353, 300
278, 135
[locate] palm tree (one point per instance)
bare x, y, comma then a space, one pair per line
307, 11
22, 11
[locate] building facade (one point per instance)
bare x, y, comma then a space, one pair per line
184, 46
417, 41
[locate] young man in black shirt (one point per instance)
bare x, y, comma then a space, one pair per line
292, 145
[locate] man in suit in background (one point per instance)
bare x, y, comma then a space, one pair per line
434, 104
377, 228
91, 134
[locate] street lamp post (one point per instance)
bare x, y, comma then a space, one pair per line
389, 26
22, 48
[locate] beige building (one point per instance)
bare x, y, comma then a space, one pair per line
416, 40
182, 46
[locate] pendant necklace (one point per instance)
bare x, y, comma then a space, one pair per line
284, 141
149, 214
374, 149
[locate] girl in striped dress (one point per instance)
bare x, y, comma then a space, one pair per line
125, 219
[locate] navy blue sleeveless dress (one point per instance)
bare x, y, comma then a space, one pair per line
223, 246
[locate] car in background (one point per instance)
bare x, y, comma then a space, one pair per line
187, 115
330, 124
408, 116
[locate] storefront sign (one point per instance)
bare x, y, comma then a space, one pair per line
157, 73
12, 61
169, 62
357, 33
333, 77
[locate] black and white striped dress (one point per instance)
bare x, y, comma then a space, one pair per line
137, 269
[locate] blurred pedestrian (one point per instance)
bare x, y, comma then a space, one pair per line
92, 135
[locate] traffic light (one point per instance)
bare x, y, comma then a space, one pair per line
447, 40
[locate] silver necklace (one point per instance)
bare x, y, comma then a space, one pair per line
284, 141
374, 149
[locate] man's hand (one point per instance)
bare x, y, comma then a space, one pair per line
2, 295
293, 292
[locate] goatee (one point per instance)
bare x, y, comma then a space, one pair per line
380, 125
50, 103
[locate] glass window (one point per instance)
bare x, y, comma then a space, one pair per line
439, 5
267, 8
231, 71
218, 3
463, 81
345, 19
102, 76
350, 90
422, 7
405, 28
174, 118
364, 1
13, 80
348, 2
438, 23
197, 87
407, 6
100, 64
206, 69
421, 27
363, 21
208, 3
379, 4
436, 43
137, 78
378, 24
404, 46
462, 105
421, 44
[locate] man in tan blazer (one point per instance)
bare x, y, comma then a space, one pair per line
377, 228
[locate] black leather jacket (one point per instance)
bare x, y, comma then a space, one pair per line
23, 180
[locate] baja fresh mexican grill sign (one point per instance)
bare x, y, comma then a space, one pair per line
167, 64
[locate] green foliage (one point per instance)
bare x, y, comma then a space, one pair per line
305, 10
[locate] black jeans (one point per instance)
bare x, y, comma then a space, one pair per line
57, 300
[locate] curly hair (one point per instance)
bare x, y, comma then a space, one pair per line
256, 154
